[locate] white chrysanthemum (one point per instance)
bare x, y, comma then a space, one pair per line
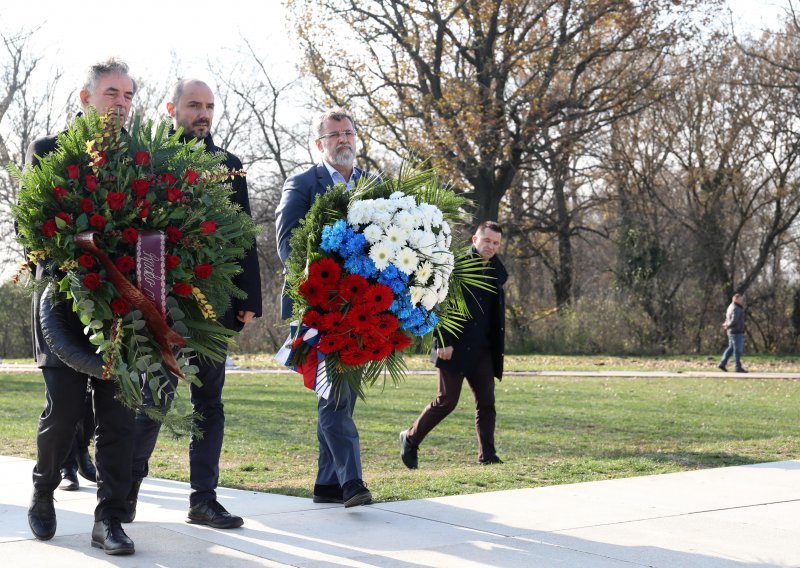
395, 237
445, 227
423, 273
381, 255
441, 241
381, 217
406, 260
438, 280
427, 212
414, 238
405, 220
358, 213
373, 233
416, 293
429, 299
444, 262
427, 240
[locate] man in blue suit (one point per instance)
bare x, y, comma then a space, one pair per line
339, 478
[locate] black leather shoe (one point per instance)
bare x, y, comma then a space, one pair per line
408, 451
108, 535
69, 478
213, 514
741, 370
86, 467
42, 515
328, 493
722, 368
355, 493
491, 460
131, 501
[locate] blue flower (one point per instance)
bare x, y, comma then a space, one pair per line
361, 265
333, 236
354, 243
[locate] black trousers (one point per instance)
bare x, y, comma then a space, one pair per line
481, 382
84, 432
65, 392
204, 453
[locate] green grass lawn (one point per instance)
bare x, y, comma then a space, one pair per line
549, 431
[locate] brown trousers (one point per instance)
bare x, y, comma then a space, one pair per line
481, 382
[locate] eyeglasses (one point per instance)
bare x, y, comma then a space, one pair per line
345, 133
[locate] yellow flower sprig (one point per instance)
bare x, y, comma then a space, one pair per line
205, 307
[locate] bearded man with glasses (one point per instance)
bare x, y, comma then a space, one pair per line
339, 477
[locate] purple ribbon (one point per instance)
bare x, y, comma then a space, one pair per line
150, 268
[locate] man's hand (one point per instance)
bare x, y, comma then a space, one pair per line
445, 353
245, 317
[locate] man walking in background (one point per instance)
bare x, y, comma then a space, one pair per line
734, 326
474, 354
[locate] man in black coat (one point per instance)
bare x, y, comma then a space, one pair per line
475, 354
192, 108
109, 89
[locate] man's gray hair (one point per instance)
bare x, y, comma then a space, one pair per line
104, 68
336, 113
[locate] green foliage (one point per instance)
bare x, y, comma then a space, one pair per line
119, 184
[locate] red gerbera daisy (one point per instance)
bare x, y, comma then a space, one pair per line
359, 318
352, 286
327, 270
332, 342
399, 340
377, 298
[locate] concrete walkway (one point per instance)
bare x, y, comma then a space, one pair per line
728, 517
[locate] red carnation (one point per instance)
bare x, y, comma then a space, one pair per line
208, 227
115, 200
327, 270
120, 306
182, 288
86, 205
312, 318
399, 340
140, 187
97, 221
124, 263
352, 286
49, 228
73, 171
86, 260
91, 182
130, 235
168, 179
377, 298
59, 192
202, 270
92, 280
190, 177
173, 234
141, 158
64, 217
171, 261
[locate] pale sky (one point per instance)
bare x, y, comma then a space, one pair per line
146, 33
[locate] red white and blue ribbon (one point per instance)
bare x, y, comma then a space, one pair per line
313, 369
